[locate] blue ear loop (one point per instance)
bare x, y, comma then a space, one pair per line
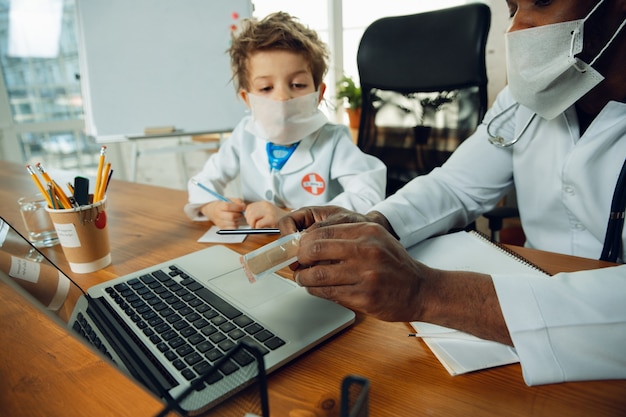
278, 155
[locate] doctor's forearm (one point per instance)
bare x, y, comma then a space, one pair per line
465, 301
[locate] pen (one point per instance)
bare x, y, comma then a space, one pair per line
445, 335
53, 198
208, 190
261, 231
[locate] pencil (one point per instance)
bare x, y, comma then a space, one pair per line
42, 190
96, 191
208, 190
103, 183
63, 200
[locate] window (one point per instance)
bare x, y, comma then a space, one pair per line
44, 92
43, 111
356, 15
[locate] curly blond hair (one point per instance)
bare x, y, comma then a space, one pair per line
276, 31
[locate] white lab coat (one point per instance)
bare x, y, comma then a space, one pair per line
571, 326
326, 168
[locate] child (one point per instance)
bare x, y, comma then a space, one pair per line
286, 152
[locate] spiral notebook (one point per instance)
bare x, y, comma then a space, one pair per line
457, 351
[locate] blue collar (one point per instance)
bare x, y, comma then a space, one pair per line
277, 155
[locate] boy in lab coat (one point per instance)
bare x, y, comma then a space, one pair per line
286, 152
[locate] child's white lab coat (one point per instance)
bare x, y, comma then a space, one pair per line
326, 168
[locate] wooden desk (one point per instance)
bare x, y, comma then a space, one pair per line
147, 226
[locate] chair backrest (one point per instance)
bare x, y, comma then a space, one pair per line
425, 53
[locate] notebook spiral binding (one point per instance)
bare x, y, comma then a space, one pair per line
509, 252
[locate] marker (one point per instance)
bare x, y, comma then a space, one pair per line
260, 231
81, 191
208, 190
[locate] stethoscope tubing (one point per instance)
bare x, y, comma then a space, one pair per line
499, 141
613, 237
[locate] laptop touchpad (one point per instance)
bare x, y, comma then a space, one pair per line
237, 287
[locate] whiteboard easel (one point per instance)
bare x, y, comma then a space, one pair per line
157, 68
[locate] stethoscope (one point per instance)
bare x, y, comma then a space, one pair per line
499, 140
613, 237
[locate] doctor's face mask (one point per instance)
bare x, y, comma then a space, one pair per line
544, 73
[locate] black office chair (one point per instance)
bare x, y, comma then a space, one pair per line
424, 87
412, 68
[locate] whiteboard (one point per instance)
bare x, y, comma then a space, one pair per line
157, 63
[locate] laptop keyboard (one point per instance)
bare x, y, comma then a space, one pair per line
192, 326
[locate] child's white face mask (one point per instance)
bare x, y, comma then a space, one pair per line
285, 122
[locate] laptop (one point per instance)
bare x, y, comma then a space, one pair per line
166, 326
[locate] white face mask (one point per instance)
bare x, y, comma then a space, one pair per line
285, 122
544, 74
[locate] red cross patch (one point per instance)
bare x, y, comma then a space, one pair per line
313, 183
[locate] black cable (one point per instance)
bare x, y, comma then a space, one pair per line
261, 379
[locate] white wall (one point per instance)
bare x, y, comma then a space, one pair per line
496, 65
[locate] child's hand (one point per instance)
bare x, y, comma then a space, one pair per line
263, 214
223, 214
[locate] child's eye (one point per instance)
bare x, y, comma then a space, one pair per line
298, 86
265, 89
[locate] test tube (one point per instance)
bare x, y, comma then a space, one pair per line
271, 257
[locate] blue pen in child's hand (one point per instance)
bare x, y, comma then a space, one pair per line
208, 190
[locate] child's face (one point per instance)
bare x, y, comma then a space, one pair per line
279, 75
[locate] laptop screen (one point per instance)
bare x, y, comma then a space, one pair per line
25, 268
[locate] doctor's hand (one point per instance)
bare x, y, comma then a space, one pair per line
225, 215
264, 214
314, 217
363, 267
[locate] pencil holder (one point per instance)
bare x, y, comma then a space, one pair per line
84, 236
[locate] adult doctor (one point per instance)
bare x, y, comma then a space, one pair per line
557, 134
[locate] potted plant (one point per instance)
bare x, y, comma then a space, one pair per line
350, 94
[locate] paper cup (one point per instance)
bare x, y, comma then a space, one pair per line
45, 283
84, 236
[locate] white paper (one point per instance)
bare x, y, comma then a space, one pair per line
468, 252
466, 353
211, 236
